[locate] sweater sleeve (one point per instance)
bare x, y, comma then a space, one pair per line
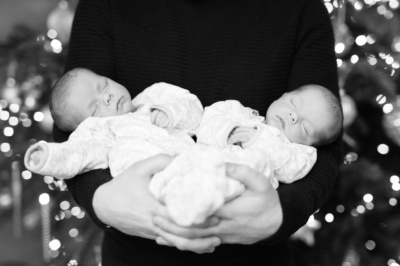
315, 50
90, 47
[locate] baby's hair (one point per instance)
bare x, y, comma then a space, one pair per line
335, 113
58, 97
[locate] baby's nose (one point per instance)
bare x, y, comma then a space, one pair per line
293, 117
107, 98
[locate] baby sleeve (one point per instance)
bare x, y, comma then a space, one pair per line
291, 161
184, 110
221, 118
85, 150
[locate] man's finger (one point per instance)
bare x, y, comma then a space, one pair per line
163, 242
200, 245
252, 179
185, 232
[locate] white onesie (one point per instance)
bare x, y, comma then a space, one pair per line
290, 161
119, 141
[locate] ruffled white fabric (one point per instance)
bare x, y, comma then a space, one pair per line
119, 141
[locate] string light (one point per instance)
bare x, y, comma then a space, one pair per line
64, 205
396, 186
14, 108
5, 147
73, 232
340, 208
368, 197
371, 39
360, 209
383, 149
38, 116
394, 179
4, 115
392, 202
387, 108
75, 211
52, 34
358, 5
369, 205
361, 40
26, 174
329, 217
370, 245
8, 131
54, 244
354, 59
381, 99
394, 4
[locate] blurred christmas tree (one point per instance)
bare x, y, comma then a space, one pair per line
41, 224
358, 225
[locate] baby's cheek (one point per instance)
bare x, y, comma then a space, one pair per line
293, 135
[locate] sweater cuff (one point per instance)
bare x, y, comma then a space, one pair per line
82, 188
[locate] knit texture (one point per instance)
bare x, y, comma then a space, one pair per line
251, 51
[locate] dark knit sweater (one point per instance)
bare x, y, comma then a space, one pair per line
252, 51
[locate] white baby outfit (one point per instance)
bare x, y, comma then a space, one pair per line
119, 141
290, 161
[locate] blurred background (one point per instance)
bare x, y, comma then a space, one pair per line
359, 225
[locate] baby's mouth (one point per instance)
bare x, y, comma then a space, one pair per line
281, 122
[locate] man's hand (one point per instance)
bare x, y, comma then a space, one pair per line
253, 216
125, 202
159, 118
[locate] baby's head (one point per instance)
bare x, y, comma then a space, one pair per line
81, 93
310, 115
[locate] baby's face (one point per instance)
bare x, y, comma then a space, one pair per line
300, 115
94, 95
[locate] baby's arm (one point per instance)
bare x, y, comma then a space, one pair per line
36, 156
86, 149
160, 118
66, 160
221, 120
291, 161
183, 109
240, 135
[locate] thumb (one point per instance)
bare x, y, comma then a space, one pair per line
252, 179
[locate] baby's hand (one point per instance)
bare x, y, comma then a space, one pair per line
36, 156
241, 135
159, 118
